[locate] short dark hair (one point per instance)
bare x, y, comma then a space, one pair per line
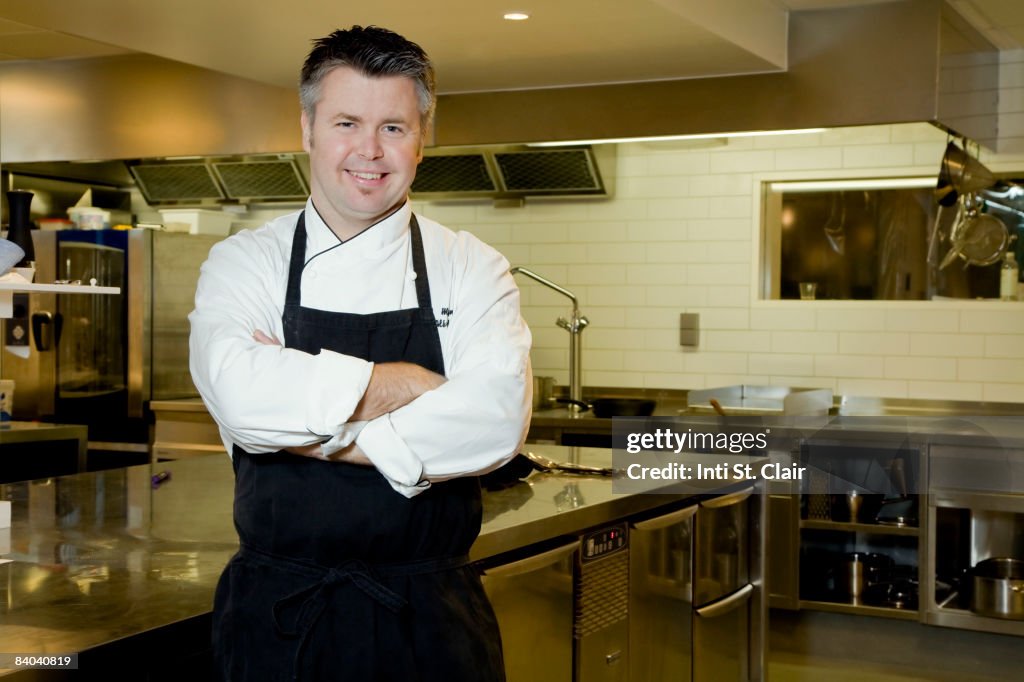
373, 51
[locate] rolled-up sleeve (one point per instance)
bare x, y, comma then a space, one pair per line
263, 397
478, 419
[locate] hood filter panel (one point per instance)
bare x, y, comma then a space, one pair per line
460, 173
549, 171
263, 179
176, 182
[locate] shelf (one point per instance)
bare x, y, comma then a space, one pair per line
966, 620
859, 609
875, 528
58, 288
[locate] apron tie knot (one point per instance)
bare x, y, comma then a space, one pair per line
314, 599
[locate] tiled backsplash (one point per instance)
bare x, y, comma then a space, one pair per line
680, 236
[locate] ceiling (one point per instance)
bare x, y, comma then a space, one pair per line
571, 42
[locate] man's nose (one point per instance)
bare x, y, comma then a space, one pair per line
369, 146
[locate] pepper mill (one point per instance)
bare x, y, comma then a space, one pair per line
19, 230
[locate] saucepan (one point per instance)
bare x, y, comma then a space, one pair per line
616, 407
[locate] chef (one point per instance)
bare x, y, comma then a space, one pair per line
364, 364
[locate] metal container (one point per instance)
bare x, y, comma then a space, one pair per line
999, 588
860, 570
543, 392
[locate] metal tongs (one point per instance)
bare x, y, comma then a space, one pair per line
545, 464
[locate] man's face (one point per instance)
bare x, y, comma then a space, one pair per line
364, 145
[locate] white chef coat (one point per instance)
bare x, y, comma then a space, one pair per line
265, 398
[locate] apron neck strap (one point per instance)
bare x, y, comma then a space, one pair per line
293, 296
419, 266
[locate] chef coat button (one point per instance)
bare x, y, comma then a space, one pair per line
312, 274
412, 274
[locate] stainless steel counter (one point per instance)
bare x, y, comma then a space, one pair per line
100, 557
36, 434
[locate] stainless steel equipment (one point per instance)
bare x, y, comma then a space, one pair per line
98, 360
975, 514
723, 607
563, 610
697, 603
533, 601
661, 597
601, 628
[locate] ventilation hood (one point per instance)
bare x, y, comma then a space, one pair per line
502, 173
508, 174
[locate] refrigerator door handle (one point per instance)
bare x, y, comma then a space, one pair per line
724, 606
43, 330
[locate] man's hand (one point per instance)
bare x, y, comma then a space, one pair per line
392, 385
352, 454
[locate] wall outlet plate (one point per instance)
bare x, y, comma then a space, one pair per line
689, 330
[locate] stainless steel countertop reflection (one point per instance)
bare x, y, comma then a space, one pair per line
103, 556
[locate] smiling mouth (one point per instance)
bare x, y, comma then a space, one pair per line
366, 176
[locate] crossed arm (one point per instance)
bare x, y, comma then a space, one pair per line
392, 385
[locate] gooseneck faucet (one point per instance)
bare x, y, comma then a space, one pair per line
575, 327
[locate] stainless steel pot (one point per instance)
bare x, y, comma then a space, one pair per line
543, 392
999, 588
859, 570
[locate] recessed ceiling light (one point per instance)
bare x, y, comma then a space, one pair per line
516, 16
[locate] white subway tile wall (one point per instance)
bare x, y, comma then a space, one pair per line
679, 236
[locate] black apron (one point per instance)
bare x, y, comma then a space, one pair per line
338, 576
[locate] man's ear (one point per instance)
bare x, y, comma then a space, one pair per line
307, 132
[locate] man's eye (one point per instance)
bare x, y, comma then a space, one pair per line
393, 130
345, 124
